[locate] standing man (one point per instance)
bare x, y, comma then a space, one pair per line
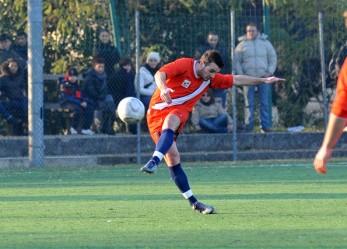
212, 43
255, 56
21, 45
180, 85
337, 122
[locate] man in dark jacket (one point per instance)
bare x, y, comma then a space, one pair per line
96, 94
105, 49
21, 45
13, 88
6, 52
212, 43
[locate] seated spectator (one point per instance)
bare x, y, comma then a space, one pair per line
96, 93
71, 98
210, 116
125, 86
147, 84
125, 81
7, 53
14, 100
21, 45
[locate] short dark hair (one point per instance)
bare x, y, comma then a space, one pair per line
98, 60
211, 56
22, 33
252, 24
125, 61
212, 33
104, 30
4, 37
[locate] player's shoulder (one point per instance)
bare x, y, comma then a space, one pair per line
185, 60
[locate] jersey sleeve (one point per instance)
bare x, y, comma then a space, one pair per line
222, 81
176, 67
339, 107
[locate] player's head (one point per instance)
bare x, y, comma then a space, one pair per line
251, 31
212, 39
345, 16
210, 63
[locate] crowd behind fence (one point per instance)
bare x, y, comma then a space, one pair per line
177, 29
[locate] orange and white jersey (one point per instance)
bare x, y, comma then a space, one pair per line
339, 107
188, 87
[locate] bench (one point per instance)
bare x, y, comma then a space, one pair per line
57, 118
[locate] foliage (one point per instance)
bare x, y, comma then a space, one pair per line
69, 29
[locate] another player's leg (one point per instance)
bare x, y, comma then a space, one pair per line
164, 143
181, 180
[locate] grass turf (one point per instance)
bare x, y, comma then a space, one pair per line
259, 205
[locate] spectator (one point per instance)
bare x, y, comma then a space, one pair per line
210, 116
105, 49
72, 98
212, 42
125, 82
255, 56
6, 52
96, 94
21, 45
14, 106
147, 84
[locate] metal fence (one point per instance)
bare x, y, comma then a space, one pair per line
176, 29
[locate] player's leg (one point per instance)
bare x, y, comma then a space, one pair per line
165, 141
180, 178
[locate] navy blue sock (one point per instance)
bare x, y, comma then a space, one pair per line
164, 143
181, 180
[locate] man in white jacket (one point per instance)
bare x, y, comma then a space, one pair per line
255, 56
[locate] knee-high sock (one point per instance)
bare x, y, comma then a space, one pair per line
181, 180
164, 143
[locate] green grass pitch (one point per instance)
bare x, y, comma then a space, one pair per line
258, 205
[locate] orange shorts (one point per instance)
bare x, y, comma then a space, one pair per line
155, 120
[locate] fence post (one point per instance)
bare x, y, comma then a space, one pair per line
138, 51
233, 89
35, 84
322, 60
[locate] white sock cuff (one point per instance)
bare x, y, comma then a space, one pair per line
158, 154
187, 194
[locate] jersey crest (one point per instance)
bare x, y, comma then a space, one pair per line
186, 83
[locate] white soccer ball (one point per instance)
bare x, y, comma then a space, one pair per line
130, 110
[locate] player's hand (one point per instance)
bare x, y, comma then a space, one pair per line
273, 79
321, 160
165, 95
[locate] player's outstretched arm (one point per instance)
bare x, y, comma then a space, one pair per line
244, 80
333, 133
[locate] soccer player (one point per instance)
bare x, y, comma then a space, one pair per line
337, 122
180, 85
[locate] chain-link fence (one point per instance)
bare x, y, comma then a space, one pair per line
75, 32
